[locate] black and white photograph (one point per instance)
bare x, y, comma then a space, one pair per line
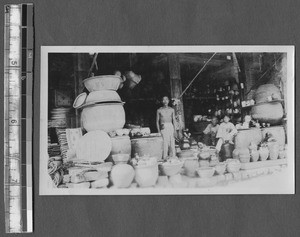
163, 120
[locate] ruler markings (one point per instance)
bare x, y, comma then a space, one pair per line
18, 66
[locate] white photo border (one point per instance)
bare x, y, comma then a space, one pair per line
286, 186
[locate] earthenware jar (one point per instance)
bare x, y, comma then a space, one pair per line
263, 153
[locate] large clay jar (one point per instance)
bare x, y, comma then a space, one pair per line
105, 117
274, 150
120, 145
268, 112
147, 146
254, 155
146, 176
268, 90
190, 166
263, 153
245, 137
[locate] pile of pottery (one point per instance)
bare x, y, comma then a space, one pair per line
268, 107
102, 112
266, 151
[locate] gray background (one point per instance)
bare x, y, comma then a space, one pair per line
209, 22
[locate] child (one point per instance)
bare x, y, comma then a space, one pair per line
225, 133
211, 131
165, 119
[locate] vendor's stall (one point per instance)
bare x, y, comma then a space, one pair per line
104, 131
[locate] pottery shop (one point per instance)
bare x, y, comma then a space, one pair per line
165, 120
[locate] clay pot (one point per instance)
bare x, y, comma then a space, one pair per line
254, 155
244, 158
105, 117
244, 137
274, 150
151, 146
146, 176
263, 153
190, 166
265, 91
268, 112
120, 145
122, 175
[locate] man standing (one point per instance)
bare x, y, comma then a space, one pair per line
165, 120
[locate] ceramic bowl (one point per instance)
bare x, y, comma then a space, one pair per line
121, 158
103, 96
220, 168
105, 82
171, 169
206, 172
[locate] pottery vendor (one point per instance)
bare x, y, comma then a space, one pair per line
165, 119
211, 131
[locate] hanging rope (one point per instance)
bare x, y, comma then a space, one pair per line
94, 63
197, 75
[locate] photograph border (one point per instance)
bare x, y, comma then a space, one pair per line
45, 187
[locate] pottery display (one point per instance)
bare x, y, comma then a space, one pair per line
271, 112
277, 133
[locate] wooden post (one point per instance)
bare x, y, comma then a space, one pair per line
81, 67
176, 90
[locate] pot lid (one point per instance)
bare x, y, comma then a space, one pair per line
94, 146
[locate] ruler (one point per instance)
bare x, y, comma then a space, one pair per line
18, 78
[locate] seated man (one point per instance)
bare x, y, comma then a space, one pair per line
210, 132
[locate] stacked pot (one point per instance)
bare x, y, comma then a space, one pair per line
268, 107
102, 108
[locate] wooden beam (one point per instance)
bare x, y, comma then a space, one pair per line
176, 90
